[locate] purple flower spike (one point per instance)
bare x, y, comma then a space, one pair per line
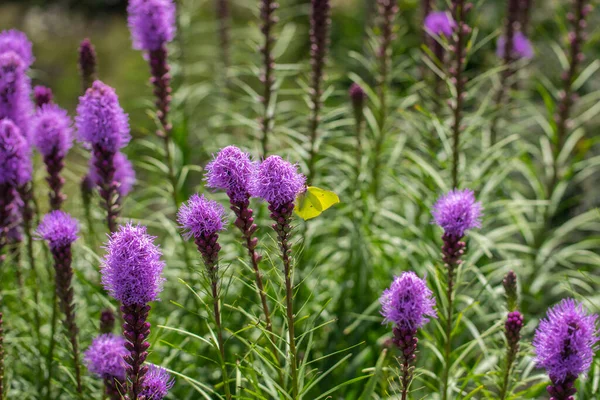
104, 357
51, 130
157, 383
124, 173
439, 23
277, 181
522, 47
15, 90
59, 229
201, 217
231, 170
565, 342
152, 23
408, 302
15, 161
17, 42
132, 267
101, 122
42, 95
457, 212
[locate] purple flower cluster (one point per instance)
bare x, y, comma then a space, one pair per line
51, 129
124, 173
231, 170
15, 90
132, 267
157, 383
277, 181
42, 95
439, 23
100, 120
17, 42
457, 212
521, 46
200, 217
59, 229
104, 357
565, 342
408, 302
15, 161
152, 23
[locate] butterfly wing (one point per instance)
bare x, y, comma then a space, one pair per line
326, 198
307, 206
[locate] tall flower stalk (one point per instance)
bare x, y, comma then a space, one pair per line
60, 230
320, 22
357, 99
407, 304
202, 220
87, 62
525, 8
224, 21
564, 345
512, 330
278, 183
132, 274
459, 10
103, 125
105, 360
267, 78
388, 9
440, 25
456, 213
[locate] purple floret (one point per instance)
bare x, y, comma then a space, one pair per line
231, 171
15, 155
100, 120
408, 302
151, 22
132, 268
42, 95
124, 173
104, 357
565, 342
457, 212
59, 229
522, 47
201, 217
52, 131
440, 23
16, 41
157, 382
15, 91
277, 181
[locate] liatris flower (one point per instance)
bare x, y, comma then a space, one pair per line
158, 382
1, 355
15, 90
320, 22
102, 124
512, 331
132, 273
151, 22
407, 304
202, 220
510, 287
87, 64
105, 359
521, 46
439, 23
53, 137
107, 321
17, 42
60, 230
42, 95
268, 21
278, 182
564, 344
124, 176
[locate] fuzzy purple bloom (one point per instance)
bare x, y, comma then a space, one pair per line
201, 217
100, 120
231, 170
439, 23
51, 130
15, 90
17, 42
59, 229
408, 302
151, 22
277, 181
15, 155
457, 212
157, 382
522, 47
565, 342
132, 268
104, 357
42, 95
124, 173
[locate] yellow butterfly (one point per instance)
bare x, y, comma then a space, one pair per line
313, 202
